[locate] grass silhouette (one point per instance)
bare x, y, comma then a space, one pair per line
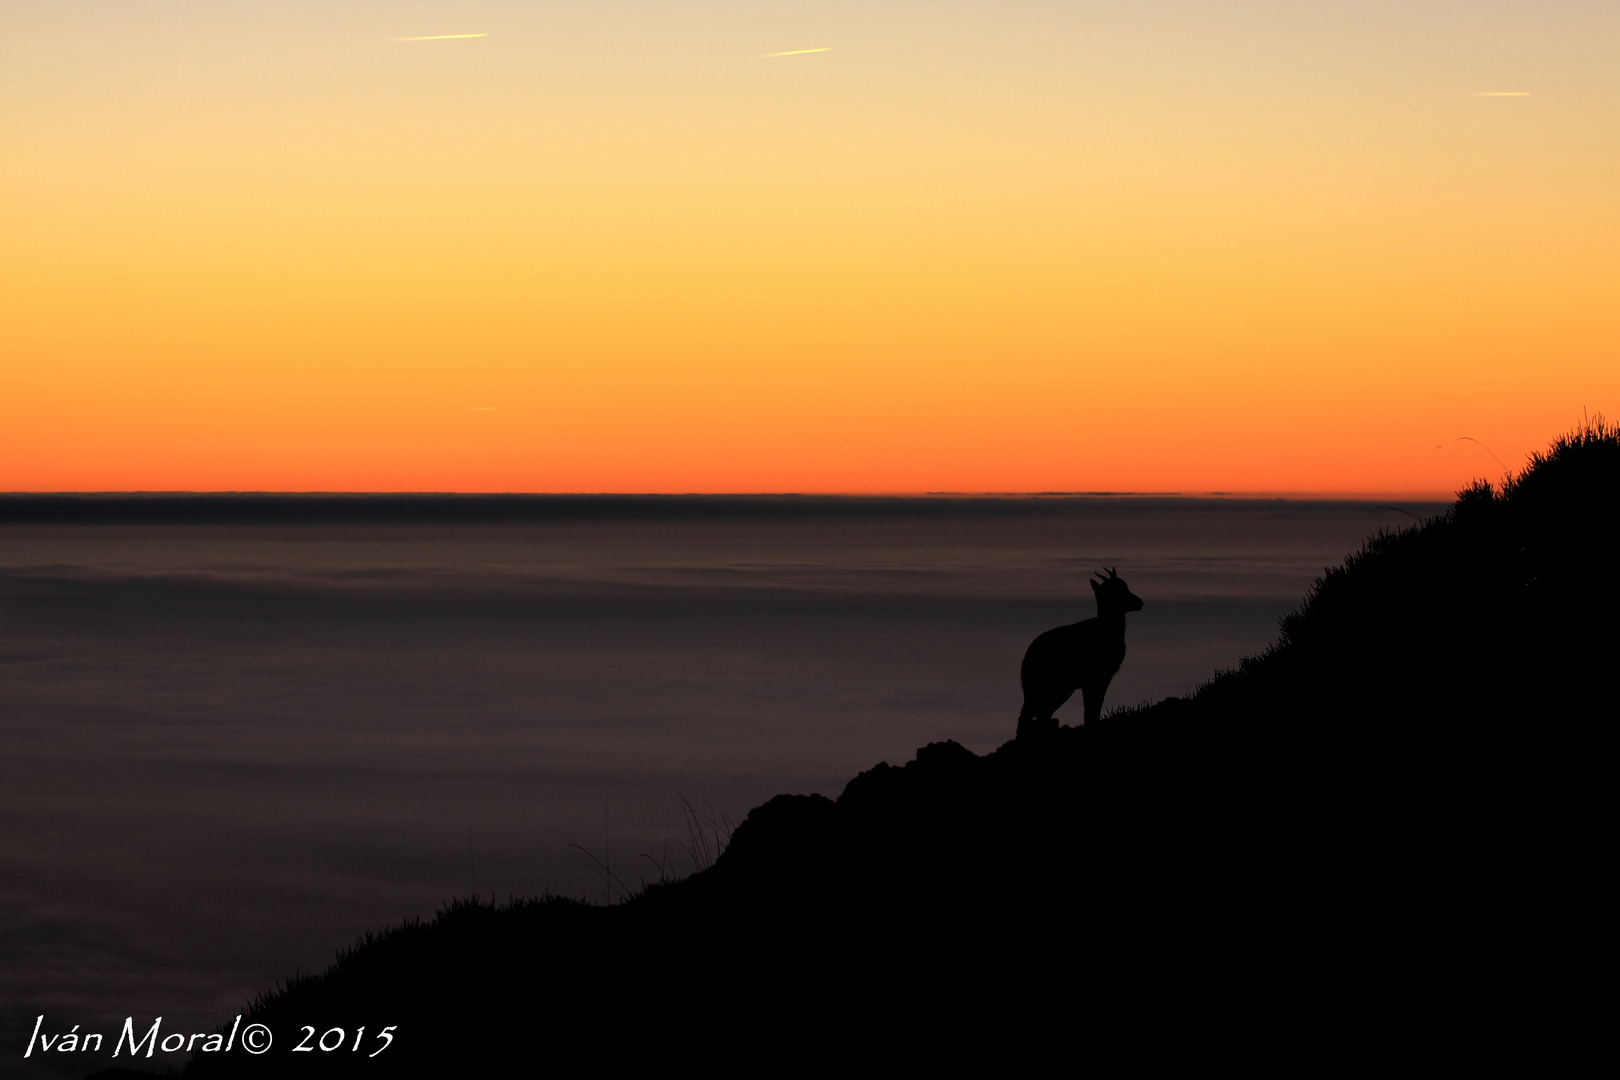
1387, 827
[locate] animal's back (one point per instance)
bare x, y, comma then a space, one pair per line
1069, 655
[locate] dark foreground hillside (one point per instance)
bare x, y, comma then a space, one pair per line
1390, 825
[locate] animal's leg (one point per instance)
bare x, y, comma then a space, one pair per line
1036, 729
1093, 696
1026, 721
1036, 718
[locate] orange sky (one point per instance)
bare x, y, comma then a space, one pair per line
972, 247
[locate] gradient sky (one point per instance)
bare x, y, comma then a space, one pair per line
971, 246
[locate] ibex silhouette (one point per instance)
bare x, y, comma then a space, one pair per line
1082, 656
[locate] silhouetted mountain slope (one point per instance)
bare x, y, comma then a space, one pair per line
1388, 825
1494, 612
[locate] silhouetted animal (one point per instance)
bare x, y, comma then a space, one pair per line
1082, 656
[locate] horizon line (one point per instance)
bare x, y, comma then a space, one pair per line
1272, 494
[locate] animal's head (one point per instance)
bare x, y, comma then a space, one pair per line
1113, 594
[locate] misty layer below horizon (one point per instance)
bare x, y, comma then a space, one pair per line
230, 751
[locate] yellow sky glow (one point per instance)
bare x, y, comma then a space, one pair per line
1031, 246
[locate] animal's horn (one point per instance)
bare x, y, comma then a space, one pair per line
1112, 572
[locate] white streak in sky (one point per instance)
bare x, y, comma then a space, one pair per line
794, 52
1503, 93
438, 37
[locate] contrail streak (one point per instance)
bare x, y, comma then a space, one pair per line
437, 37
1503, 93
794, 52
